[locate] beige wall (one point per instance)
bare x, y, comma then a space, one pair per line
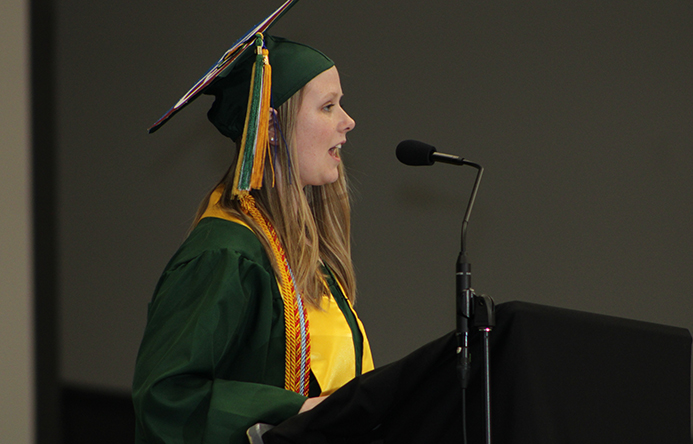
16, 300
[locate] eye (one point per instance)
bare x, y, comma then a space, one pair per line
328, 107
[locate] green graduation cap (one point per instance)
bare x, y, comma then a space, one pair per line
258, 72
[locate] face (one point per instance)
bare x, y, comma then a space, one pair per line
321, 127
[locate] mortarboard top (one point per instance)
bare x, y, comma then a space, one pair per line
294, 65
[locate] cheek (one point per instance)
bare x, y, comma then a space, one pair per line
314, 138
304, 130
313, 134
305, 140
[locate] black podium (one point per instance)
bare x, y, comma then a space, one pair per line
557, 376
564, 376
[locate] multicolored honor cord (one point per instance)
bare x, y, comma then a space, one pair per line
297, 360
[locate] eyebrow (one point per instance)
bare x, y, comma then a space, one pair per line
333, 95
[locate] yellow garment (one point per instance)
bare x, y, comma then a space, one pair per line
332, 356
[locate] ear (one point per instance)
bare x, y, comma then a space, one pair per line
274, 127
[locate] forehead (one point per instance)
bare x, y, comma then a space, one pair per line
324, 84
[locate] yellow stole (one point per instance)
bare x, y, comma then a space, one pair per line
332, 355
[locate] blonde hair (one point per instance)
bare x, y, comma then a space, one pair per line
313, 224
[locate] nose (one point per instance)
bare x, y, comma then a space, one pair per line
348, 123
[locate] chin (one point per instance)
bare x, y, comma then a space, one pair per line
333, 179
324, 181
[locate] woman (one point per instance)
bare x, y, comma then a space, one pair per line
251, 320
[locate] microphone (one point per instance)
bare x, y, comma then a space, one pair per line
415, 153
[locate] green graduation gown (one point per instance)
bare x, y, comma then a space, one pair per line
211, 363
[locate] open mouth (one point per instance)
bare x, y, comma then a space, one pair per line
335, 150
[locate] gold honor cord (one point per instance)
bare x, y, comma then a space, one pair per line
297, 361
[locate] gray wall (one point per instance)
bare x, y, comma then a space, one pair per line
581, 113
16, 292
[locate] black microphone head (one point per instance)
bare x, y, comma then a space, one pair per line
413, 152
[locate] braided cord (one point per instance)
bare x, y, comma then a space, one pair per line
297, 360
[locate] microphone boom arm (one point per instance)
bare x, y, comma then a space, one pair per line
470, 204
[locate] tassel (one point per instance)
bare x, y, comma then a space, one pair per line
255, 141
263, 144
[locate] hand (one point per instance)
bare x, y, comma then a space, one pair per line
311, 402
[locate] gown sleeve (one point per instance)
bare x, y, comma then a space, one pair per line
211, 363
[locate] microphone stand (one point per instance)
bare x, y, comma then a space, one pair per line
472, 309
478, 311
